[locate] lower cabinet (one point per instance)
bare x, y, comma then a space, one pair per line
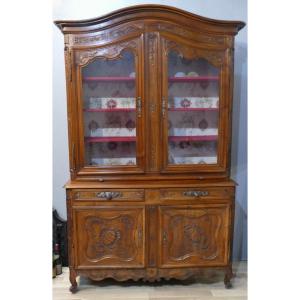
109, 237
194, 235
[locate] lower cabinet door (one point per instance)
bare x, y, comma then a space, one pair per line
194, 235
109, 236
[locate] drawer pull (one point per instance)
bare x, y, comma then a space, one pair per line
195, 193
109, 195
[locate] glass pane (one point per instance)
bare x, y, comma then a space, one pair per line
193, 101
109, 111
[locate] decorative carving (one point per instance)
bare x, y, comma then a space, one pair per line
108, 34
152, 47
148, 274
214, 57
190, 34
110, 238
108, 52
199, 235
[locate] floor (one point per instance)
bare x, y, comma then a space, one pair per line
209, 288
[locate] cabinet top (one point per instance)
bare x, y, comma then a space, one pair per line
153, 12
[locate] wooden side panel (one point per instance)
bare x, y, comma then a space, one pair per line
194, 235
109, 236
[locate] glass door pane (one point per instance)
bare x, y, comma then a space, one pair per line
109, 111
193, 110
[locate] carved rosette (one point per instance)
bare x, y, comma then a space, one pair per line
108, 52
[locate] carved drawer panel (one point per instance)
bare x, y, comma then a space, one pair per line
196, 193
194, 235
110, 237
110, 195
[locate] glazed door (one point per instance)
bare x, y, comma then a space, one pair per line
194, 235
194, 107
111, 109
109, 236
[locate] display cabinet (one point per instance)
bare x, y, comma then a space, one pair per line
149, 91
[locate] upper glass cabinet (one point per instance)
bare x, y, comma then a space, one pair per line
190, 109
111, 109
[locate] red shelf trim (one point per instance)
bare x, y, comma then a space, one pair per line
193, 109
89, 79
193, 138
109, 109
193, 78
104, 139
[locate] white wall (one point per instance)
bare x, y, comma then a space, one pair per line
218, 9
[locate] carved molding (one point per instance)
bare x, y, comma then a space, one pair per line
108, 34
108, 52
214, 57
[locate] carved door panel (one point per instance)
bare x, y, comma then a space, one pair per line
194, 235
110, 237
195, 103
111, 109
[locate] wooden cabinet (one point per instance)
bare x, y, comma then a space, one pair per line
149, 92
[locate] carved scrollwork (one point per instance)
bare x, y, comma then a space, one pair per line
148, 274
108, 52
110, 238
108, 34
199, 235
172, 28
214, 57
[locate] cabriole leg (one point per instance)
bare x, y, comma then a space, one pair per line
73, 275
228, 276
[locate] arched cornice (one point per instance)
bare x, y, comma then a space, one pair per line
149, 12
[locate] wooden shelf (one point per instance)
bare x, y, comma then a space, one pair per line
192, 109
193, 138
105, 79
109, 109
193, 78
104, 139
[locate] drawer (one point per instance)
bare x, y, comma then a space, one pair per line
110, 194
195, 193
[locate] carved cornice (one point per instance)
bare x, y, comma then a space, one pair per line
148, 11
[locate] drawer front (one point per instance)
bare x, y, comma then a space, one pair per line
110, 194
109, 236
195, 193
194, 235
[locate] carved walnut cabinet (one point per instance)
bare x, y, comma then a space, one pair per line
149, 92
